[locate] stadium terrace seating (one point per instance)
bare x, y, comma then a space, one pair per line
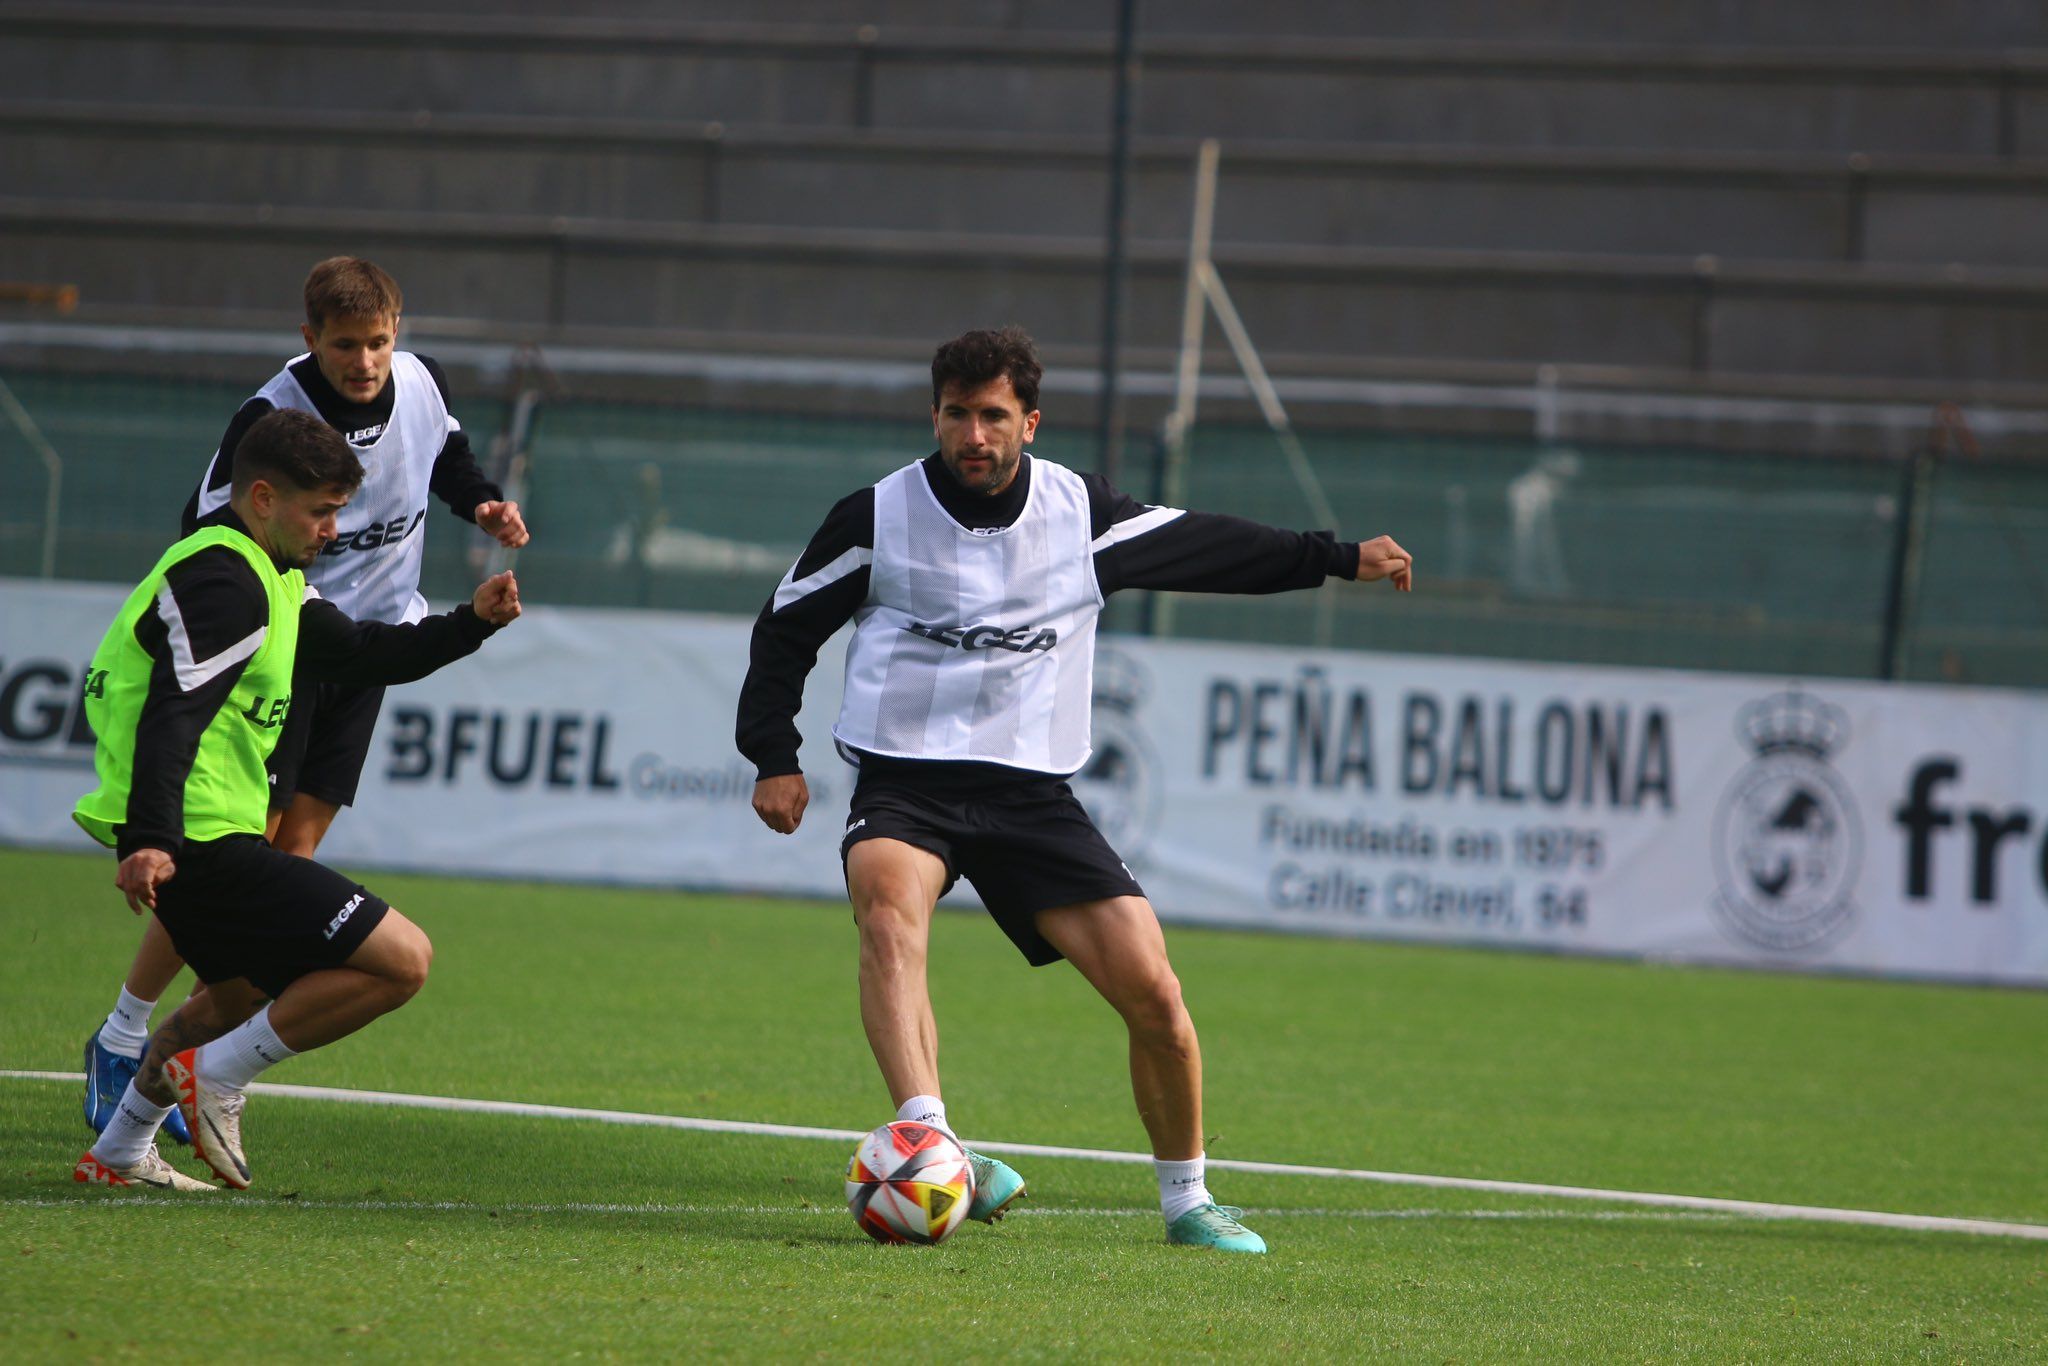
1767, 206
1728, 198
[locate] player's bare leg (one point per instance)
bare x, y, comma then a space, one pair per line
300, 827
1117, 945
893, 887
386, 970
207, 1053
203, 1018
156, 963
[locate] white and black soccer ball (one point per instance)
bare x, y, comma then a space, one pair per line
909, 1183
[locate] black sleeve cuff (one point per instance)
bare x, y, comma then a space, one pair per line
777, 765
127, 841
1344, 560
476, 498
472, 627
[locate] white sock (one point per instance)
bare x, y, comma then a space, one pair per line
232, 1061
128, 1135
127, 1026
1182, 1186
925, 1110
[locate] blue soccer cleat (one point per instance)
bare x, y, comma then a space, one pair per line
1216, 1226
107, 1075
996, 1185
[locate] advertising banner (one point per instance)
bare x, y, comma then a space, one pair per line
1818, 824
1704, 817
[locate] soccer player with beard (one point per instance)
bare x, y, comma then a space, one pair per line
973, 579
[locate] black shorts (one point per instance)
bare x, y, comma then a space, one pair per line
1021, 839
324, 744
236, 907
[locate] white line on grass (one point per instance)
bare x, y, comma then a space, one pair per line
96, 1199
1754, 1209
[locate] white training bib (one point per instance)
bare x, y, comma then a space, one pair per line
371, 570
976, 645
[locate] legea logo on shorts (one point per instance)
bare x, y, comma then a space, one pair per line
334, 925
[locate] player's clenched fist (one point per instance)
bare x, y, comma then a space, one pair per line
780, 802
502, 520
497, 599
1382, 558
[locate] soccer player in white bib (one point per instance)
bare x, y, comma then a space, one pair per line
973, 579
392, 406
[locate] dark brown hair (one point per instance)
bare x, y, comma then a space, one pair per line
975, 358
350, 287
297, 450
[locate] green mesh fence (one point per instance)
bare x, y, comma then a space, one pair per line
1980, 613
1612, 555
133, 451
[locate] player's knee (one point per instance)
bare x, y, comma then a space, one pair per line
418, 962
892, 909
891, 932
1156, 1013
406, 967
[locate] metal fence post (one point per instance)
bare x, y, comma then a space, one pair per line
1909, 548
1109, 432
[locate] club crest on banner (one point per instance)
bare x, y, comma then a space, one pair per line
1120, 784
1787, 842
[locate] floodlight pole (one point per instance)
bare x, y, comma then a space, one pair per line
1171, 490
1193, 312
1109, 409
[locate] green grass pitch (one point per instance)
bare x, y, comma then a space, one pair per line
392, 1233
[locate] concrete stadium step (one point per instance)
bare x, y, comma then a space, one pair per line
838, 378
1983, 102
1979, 211
1832, 24
1705, 315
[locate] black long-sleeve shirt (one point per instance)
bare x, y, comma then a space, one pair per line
1198, 552
457, 479
220, 605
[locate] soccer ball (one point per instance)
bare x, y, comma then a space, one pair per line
909, 1183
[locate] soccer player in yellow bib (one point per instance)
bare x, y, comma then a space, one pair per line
186, 695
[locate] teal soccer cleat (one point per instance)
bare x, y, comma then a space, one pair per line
996, 1185
1214, 1226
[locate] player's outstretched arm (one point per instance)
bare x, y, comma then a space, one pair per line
336, 648
1140, 546
780, 802
1382, 558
